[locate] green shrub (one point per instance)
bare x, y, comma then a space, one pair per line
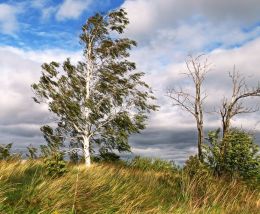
108, 157
194, 166
235, 156
5, 153
55, 165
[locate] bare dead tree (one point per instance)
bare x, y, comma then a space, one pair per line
193, 103
235, 106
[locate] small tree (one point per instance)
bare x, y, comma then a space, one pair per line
101, 100
193, 103
241, 158
55, 165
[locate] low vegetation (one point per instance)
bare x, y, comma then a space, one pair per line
139, 186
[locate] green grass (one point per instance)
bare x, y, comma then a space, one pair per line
118, 188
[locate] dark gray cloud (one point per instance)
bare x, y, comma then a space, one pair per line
153, 137
22, 130
21, 142
175, 145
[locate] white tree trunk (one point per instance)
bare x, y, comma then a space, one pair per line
89, 71
86, 150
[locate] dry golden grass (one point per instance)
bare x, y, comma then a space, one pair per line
116, 188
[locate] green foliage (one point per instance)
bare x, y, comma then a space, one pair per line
53, 139
106, 156
235, 156
212, 152
193, 166
55, 165
5, 151
143, 163
53, 158
75, 158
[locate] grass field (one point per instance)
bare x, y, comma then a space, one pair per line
118, 188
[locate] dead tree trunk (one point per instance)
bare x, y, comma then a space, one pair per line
235, 105
193, 102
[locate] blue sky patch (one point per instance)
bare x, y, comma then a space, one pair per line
42, 24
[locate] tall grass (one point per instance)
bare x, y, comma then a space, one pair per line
120, 188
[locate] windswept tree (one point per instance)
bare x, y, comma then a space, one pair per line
235, 105
102, 99
192, 102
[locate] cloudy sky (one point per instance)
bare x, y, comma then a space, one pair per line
37, 31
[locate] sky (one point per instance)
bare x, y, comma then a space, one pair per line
167, 31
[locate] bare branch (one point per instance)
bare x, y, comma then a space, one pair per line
235, 105
182, 99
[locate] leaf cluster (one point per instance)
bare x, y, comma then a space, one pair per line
240, 158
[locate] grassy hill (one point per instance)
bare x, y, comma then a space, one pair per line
118, 188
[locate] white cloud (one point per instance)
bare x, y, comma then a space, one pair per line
167, 31
38, 3
8, 21
217, 85
150, 16
20, 117
47, 55
72, 9
47, 12
45, 7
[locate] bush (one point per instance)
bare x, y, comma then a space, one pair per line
107, 157
55, 165
235, 156
5, 153
194, 166
153, 164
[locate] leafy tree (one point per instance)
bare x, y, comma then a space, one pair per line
101, 100
240, 159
